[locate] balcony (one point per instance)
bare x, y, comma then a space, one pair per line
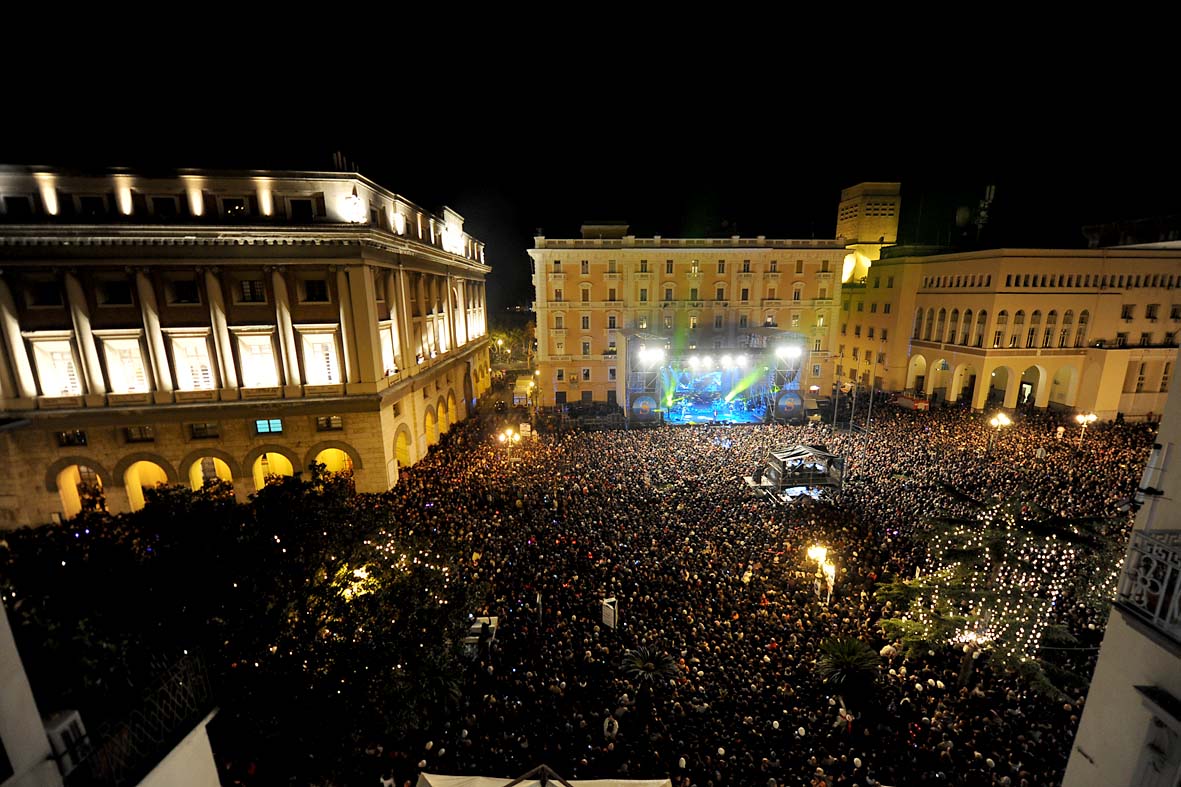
557, 276
611, 276
824, 275
772, 302
1150, 585
772, 275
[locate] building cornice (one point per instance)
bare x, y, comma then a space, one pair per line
77, 236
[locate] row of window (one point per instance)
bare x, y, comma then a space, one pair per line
873, 307
797, 294
719, 320
303, 209
694, 266
1086, 280
198, 431
973, 333
1151, 311
57, 367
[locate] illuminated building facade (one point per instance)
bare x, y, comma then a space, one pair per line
229, 326
1130, 731
690, 294
1095, 330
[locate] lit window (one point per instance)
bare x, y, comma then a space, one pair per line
387, 350
259, 369
268, 426
125, 366
193, 369
329, 423
56, 368
319, 359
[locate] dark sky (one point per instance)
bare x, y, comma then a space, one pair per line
513, 157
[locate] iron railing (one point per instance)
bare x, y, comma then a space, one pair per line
127, 748
1150, 585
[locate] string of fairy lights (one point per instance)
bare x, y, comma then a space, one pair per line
1012, 580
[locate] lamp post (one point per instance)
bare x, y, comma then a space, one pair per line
998, 421
508, 437
1084, 421
819, 553
830, 578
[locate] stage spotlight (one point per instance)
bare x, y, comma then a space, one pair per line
727, 361
788, 351
707, 362
694, 361
742, 361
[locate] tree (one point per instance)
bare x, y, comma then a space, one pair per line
994, 579
850, 667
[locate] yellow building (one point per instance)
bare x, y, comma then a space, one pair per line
234, 326
682, 295
1091, 329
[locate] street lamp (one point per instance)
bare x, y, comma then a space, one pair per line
830, 578
508, 437
1085, 421
819, 553
998, 421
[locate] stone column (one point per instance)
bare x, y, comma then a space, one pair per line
286, 333
156, 349
420, 286
405, 321
80, 314
364, 317
455, 341
393, 299
25, 383
221, 332
347, 333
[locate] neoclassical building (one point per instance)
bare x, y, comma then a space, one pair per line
229, 325
1088, 329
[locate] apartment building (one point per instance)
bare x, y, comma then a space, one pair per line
225, 325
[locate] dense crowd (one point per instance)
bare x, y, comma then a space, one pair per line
661, 520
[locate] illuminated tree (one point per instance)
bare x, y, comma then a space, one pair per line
996, 580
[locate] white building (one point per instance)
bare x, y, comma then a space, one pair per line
1130, 731
233, 326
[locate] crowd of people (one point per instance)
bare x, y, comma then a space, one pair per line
660, 520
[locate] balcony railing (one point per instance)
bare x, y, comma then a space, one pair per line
1150, 585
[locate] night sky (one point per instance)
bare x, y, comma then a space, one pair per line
678, 164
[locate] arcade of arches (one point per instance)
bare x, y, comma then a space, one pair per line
1050, 382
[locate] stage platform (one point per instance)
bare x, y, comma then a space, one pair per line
725, 414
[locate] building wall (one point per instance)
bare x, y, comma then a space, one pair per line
1117, 726
189, 764
21, 729
628, 280
118, 335
1119, 360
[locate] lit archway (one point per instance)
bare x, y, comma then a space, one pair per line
1064, 386
402, 446
916, 373
140, 477
79, 487
429, 423
335, 460
444, 416
208, 469
452, 407
963, 383
1031, 381
269, 467
938, 378
1000, 380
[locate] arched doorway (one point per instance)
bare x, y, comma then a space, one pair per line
432, 431
269, 467
916, 373
1064, 387
207, 470
938, 378
963, 383
335, 460
80, 488
444, 416
140, 477
402, 447
452, 408
1031, 381
999, 381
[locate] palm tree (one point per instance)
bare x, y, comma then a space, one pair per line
648, 668
849, 666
